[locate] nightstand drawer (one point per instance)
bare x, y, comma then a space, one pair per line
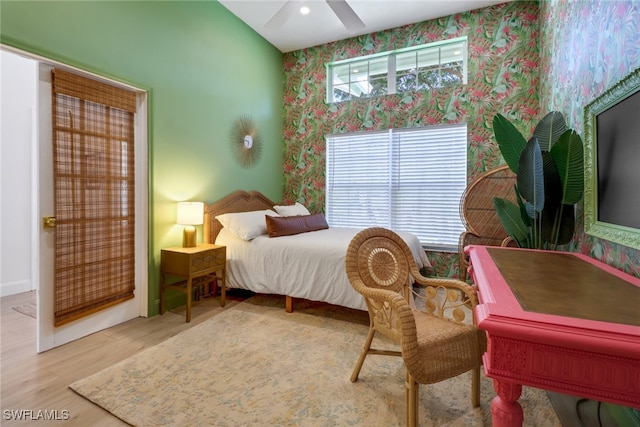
213, 258
190, 261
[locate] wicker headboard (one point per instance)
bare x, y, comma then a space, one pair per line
238, 201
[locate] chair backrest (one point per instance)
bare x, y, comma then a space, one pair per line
381, 259
477, 211
478, 214
379, 265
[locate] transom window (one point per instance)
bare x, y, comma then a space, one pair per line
425, 67
403, 179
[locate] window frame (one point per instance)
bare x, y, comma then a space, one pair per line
391, 68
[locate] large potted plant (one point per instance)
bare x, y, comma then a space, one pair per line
550, 181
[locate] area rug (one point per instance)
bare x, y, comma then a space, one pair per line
256, 365
29, 309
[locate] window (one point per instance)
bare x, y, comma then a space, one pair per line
403, 179
425, 67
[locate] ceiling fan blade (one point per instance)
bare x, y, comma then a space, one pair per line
282, 15
343, 11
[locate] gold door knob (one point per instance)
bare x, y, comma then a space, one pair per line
49, 221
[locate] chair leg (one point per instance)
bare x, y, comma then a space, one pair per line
363, 355
475, 387
413, 393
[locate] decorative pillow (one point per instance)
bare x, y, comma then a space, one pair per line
246, 225
291, 210
290, 225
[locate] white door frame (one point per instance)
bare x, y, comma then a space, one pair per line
49, 336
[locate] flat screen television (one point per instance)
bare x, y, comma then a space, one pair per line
612, 163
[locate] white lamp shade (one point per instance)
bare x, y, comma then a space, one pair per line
190, 213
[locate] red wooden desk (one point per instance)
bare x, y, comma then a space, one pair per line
557, 321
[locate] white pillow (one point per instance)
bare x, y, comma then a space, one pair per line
246, 225
292, 210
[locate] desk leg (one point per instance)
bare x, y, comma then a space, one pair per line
189, 297
505, 409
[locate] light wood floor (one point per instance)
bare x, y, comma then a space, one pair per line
31, 381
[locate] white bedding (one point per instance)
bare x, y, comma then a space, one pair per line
308, 265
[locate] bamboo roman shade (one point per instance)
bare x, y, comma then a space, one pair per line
93, 137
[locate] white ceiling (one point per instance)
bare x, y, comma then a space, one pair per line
322, 26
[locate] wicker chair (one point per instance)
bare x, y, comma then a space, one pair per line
436, 342
483, 227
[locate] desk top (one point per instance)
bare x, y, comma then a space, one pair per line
565, 285
558, 298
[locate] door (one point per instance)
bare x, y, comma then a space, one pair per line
48, 335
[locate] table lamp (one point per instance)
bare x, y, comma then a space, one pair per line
190, 214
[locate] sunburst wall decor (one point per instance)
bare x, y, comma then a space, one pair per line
246, 142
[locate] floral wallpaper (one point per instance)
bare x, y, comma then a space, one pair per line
590, 46
580, 48
504, 77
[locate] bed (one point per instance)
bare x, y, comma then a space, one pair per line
308, 265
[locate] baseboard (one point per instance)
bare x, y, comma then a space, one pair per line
16, 287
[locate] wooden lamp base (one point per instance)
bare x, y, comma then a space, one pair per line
189, 237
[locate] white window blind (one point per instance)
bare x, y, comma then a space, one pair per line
402, 179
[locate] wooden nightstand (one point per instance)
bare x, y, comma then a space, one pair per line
194, 265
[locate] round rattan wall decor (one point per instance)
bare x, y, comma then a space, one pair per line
246, 142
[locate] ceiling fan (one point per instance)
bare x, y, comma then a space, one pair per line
341, 8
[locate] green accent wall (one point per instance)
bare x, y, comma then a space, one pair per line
202, 67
